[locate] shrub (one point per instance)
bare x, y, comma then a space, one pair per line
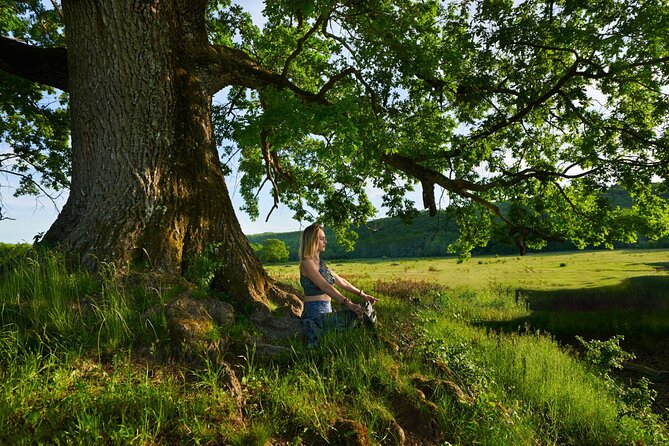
203, 268
605, 355
273, 251
405, 288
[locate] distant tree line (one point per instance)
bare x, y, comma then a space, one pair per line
425, 236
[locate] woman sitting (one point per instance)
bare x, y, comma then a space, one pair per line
318, 282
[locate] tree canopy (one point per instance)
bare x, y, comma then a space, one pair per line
273, 251
543, 105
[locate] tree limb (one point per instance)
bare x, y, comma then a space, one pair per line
57, 8
321, 21
221, 66
336, 78
46, 66
36, 184
519, 115
269, 169
465, 189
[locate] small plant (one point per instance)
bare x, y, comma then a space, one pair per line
605, 355
203, 267
562, 265
638, 399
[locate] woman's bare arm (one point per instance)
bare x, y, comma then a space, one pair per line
348, 286
308, 269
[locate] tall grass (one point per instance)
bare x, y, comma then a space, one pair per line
46, 304
68, 372
563, 399
71, 372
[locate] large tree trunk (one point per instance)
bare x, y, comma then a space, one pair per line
147, 185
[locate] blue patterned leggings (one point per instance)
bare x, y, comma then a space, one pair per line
318, 317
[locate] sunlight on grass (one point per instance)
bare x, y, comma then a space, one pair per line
574, 270
455, 364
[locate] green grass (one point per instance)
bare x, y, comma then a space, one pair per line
539, 272
80, 365
595, 294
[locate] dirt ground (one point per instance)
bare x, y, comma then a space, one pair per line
656, 359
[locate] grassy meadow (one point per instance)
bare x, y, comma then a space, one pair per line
550, 271
456, 358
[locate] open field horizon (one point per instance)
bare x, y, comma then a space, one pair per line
560, 270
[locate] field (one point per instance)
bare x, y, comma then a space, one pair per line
594, 294
552, 271
477, 353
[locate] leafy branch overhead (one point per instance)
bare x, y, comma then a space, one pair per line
518, 115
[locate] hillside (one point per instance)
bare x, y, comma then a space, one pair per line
427, 236
87, 358
385, 237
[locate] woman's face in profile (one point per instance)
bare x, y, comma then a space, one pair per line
322, 243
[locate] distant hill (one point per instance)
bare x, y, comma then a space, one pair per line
426, 236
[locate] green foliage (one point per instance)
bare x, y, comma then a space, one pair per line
385, 237
637, 399
522, 113
34, 119
605, 355
425, 236
202, 268
273, 251
542, 105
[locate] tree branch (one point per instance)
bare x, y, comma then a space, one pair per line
322, 19
555, 89
36, 184
57, 8
622, 129
269, 169
46, 66
370, 91
571, 203
465, 189
336, 78
220, 66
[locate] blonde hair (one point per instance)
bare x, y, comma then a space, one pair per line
309, 241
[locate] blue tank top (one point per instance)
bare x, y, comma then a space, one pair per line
310, 288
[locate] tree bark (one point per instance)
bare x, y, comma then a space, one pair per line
147, 185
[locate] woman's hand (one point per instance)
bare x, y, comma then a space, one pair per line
368, 298
357, 309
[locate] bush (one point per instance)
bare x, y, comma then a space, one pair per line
273, 251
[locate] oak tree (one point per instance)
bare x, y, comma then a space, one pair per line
521, 114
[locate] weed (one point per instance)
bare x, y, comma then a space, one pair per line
203, 268
605, 355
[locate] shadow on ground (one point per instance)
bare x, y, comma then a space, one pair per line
637, 308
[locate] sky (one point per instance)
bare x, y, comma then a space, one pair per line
31, 215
